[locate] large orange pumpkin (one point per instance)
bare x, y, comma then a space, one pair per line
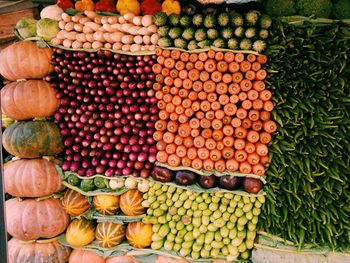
85, 256
30, 219
139, 235
52, 252
25, 60
106, 204
32, 178
32, 139
80, 232
130, 203
109, 234
162, 259
28, 99
75, 203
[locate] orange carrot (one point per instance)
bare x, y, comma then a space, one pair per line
168, 137
187, 83
241, 132
246, 123
237, 77
239, 57
204, 76
158, 51
220, 166
218, 135
253, 95
234, 88
183, 93
172, 126
193, 95
212, 97
228, 130
230, 109
219, 56
160, 60
186, 162
194, 123
178, 140
163, 115
241, 155
181, 151
270, 126
265, 95
199, 142
180, 65
232, 165
228, 141
265, 115
197, 164
210, 115
251, 58
184, 56
205, 124
222, 66
169, 63
268, 106
166, 53
170, 107
250, 75
239, 144
183, 74
188, 142
234, 99
262, 59
174, 91
186, 103
258, 104
236, 122
205, 106
246, 85
219, 114
241, 113
229, 57
211, 53
224, 99
265, 160
244, 66
159, 78
245, 168
207, 133
220, 145
176, 100
157, 68
189, 65
173, 116
157, 86
160, 125
175, 54
233, 67
209, 86
169, 81
184, 130
203, 153
160, 146
162, 156
256, 66
227, 78
253, 136
215, 155
193, 74
182, 117
174, 160
166, 89
261, 74
189, 112
227, 153
265, 137
249, 147
192, 153
215, 105
247, 104
161, 105
199, 65
158, 136
193, 57
216, 76
216, 124
261, 149
208, 165
203, 56
259, 85
170, 148
257, 125
196, 106
210, 144
221, 88
258, 169
165, 72
200, 115
210, 65
174, 73
226, 120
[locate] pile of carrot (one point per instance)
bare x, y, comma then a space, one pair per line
214, 111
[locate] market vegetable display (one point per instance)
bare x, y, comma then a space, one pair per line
32, 178
25, 60
86, 256
30, 219
308, 179
35, 252
32, 139
107, 112
214, 111
234, 31
202, 225
28, 99
92, 31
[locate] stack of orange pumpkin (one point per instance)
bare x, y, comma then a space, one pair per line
31, 176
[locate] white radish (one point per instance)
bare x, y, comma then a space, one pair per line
112, 20
143, 31
71, 35
76, 18
90, 37
152, 47
92, 25
116, 27
107, 37
107, 27
108, 45
87, 29
84, 20
97, 45
117, 36
98, 36
81, 37
66, 17
90, 14
152, 28
126, 47
67, 43
147, 20
61, 34
129, 17
137, 20
127, 39
78, 27
117, 46
69, 26
121, 20
61, 24
135, 47
125, 27
77, 44
56, 41
87, 45
133, 30
146, 40
138, 39
154, 39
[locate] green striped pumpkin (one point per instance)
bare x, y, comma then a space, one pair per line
109, 234
32, 139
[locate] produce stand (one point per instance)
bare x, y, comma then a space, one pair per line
176, 131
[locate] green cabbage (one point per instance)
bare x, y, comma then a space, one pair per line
26, 27
47, 29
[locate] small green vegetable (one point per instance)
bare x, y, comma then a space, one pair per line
174, 19
163, 31
200, 34
87, 185
212, 33
185, 21
219, 43
180, 43
188, 33
226, 33
197, 20
175, 32
237, 19
160, 19
223, 19
210, 21
252, 18
165, 42
245, 44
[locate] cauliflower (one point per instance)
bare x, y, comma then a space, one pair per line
317, 8
341, 9
280, 7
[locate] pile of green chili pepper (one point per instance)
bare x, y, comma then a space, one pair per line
308, 189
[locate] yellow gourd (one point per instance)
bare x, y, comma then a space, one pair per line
171, 6
128, 6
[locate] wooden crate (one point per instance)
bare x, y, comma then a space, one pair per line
10, 13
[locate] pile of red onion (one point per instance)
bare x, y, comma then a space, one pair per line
107, 112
